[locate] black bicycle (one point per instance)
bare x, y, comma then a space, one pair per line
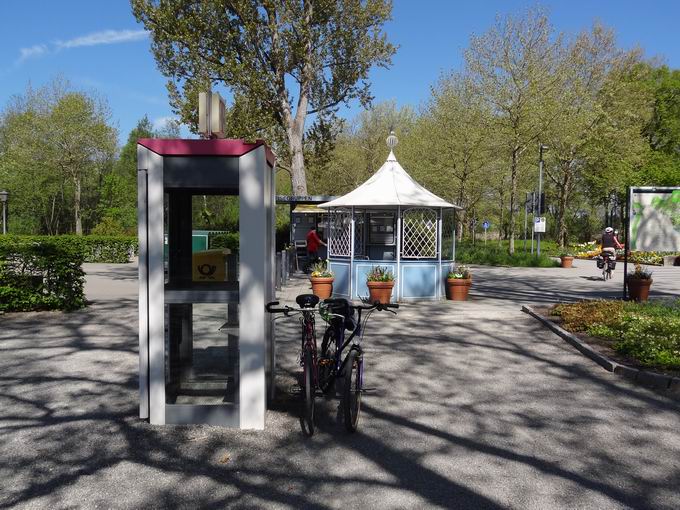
334, 363
607, 263
320, 372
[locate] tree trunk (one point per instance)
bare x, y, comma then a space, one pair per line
297, 163
76, 207
513, 198
563, 190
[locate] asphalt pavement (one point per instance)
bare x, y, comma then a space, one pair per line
472, 405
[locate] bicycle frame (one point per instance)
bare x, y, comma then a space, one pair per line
308, 340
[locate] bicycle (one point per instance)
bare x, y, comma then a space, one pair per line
607, 262
307, 304
339, 314
320, 373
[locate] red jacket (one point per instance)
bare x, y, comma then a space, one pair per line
313, 241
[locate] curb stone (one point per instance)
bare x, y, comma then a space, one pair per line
644, 377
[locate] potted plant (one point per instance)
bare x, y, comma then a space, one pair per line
458, 281
322, 279
567, 259
639, 282
380, 281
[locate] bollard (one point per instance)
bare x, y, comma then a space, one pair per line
284, 267
278, 271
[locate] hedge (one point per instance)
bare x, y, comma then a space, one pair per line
103, 249
227, 240
41, 273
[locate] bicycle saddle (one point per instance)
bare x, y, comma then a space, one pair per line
307, 300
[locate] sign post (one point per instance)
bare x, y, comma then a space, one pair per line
539, 228
485, 226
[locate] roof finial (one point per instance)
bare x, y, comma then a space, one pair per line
392, 140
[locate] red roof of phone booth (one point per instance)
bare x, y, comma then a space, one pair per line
214, 147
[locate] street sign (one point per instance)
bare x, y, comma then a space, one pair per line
486, 224
539, 224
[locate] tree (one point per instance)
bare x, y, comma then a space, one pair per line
281, 60
55, 146
591, 96
361, 148
513, 67
117, 206
455, 144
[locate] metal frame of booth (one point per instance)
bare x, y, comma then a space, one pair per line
170, 172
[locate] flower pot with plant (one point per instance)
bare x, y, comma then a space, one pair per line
380, 281
322, 279
639, 282
458, 281
566, 259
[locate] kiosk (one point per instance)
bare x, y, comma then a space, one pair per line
206, 349
394, 222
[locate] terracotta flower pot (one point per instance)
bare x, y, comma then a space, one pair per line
458, 288
567, 261
638, 288
380, 291
322, 286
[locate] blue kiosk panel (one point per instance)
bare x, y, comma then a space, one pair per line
417, 279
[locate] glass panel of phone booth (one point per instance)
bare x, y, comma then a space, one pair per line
201, 311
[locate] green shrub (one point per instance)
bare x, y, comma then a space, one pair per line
40, 273
494, 255
107, 249
647, 332
227, 240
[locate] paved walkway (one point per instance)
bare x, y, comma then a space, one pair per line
474, 406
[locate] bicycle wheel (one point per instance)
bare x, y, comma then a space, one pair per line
352, 389
327, 361
307, 418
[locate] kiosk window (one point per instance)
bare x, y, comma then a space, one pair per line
381, 229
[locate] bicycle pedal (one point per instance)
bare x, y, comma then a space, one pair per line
324, 362
295, 390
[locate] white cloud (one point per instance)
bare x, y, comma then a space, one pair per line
162, 122
33, 51
93, 39
104, 37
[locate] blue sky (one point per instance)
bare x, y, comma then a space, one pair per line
98, 46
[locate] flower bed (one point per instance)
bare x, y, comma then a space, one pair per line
648, 333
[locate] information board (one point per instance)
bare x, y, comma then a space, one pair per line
655, 219
539, 224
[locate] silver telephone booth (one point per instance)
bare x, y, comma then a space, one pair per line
206, 351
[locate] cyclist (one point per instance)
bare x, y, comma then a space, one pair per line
610, 243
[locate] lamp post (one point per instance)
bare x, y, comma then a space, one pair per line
3, 199
541, 148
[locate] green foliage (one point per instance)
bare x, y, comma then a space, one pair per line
380, 274
99, 249
495, 254
280, 61
459, 272
320, 270
228, 240
647, 332
40, 273
55, 145
639, 273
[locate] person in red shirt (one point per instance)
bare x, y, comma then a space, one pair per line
313, 243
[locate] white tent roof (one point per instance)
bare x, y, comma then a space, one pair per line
389, 186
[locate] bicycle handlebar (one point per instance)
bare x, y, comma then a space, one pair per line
375, 306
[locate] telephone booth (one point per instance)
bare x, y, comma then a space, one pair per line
206, 350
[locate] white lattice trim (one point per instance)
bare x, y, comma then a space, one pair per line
419, 239
339, 239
